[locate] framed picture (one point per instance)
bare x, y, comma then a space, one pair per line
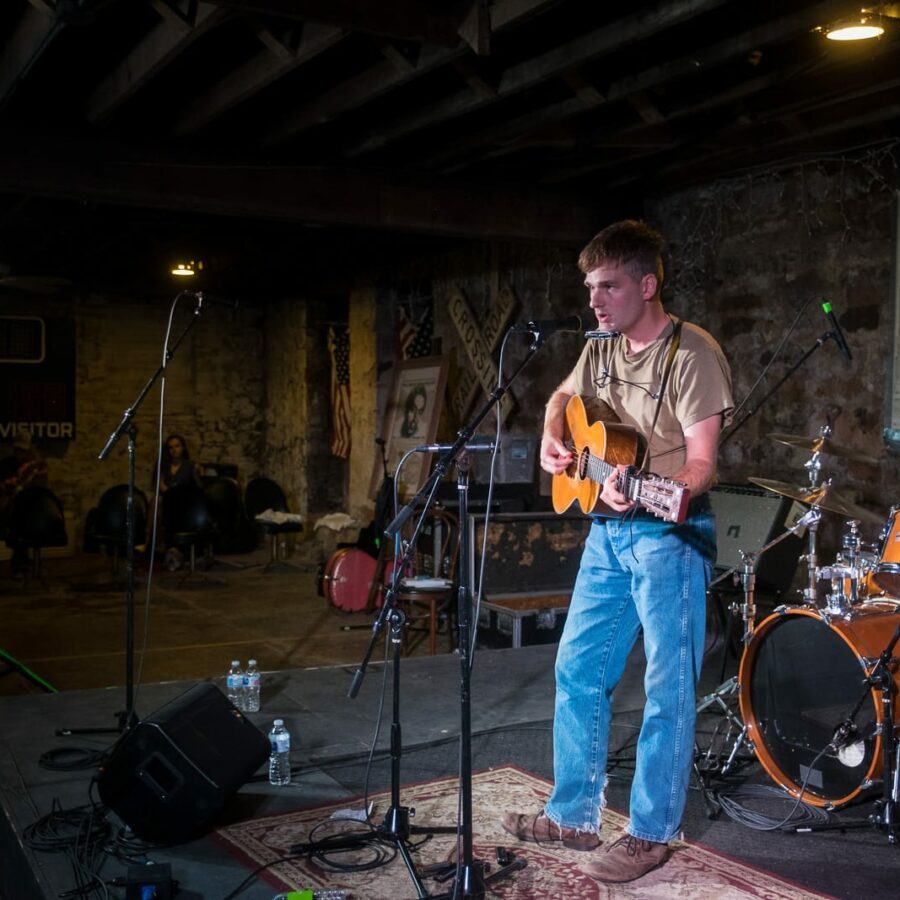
411, 419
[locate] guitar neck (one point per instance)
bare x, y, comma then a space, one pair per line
663, 497
629, 482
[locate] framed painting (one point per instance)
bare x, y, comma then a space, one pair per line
411, 419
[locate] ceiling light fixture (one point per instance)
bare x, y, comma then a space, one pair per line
188, 269
868, 23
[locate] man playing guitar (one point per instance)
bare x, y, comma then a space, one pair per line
670, 382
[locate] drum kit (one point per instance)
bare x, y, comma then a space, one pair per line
817, 680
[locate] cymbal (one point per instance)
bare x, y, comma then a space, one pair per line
822, 445
824, 497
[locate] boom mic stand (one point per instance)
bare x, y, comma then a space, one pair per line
828, 335
128, 717
470, 880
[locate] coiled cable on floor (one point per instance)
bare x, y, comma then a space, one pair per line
71, 759
801, 814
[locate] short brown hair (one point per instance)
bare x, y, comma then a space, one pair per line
631, 244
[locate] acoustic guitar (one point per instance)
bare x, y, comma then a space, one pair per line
598, 449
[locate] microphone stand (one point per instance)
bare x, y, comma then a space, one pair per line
470, 880
128, 717
828, 335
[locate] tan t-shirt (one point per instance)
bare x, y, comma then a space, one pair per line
699, 387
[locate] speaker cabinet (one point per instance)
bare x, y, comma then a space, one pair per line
174, 771
534, 552
748, 518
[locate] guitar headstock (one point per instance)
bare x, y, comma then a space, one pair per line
664, 497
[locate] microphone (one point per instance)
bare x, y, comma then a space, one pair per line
441, 448
848, 745
601, 335
211, 300
837, 332
549, 326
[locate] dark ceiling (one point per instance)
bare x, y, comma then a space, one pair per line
291, 135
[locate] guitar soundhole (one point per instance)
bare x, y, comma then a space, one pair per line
583, 462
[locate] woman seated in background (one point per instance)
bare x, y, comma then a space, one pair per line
176, 466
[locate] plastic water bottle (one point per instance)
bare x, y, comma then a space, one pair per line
280, 754
234, 684
317, 894
251, 687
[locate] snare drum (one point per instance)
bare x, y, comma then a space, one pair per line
886, 573
801, 676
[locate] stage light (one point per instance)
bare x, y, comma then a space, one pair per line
187, 269
870, 22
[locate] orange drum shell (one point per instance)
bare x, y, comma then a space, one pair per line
866, 634
886, 574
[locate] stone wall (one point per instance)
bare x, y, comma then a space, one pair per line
214, 383
751, 260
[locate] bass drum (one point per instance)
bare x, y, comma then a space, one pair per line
349, 578
801, 677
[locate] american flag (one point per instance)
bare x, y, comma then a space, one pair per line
415, 329
339, 348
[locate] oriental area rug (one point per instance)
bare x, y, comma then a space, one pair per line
692, 873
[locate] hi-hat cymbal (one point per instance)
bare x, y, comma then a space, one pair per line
822, 445
824, 497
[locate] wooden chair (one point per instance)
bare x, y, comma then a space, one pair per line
428, 594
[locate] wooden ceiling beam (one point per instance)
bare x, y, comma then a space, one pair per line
531, 72
405, 20
666, 73
254, 76
381, 79
161, 45
740, 149
33, 33
310, 195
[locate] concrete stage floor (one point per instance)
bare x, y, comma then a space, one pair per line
73, 637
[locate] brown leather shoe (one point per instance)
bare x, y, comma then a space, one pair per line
626, 859
538, 829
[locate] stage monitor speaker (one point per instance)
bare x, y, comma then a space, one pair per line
748, 518
173, 772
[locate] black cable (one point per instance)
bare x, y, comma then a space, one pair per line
78, 833
799, 814
71, 759
252, 876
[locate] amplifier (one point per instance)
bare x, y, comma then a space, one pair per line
748, 518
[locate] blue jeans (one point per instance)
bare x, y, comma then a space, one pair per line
638, 573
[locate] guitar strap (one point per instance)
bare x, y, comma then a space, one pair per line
667, 368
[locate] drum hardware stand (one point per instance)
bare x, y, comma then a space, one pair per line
887, 808
707, 761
